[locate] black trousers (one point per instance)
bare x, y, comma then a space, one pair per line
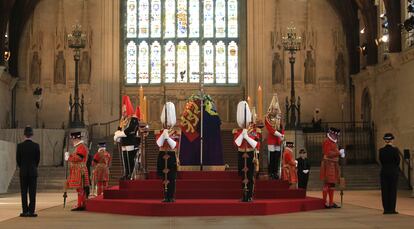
167, 162
303, 180
28, 184
129, 162
389, 183
274, 162
249, 168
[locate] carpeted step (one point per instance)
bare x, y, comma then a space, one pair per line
188, 175
203, 207
202, 184
203, 194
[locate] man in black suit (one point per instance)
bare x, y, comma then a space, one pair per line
28, 157
389, 157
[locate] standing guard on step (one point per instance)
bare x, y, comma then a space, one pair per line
246, 139
275, 137
101, 161
289, 165
78, 173
168, 140
126, 137
330, 172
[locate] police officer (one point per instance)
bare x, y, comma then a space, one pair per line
389, 156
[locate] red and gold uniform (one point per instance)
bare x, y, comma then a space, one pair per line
330, 162
246, 141
274, 143
276, 134
330, 171
101, 162
289, 172
78, 172
168, 142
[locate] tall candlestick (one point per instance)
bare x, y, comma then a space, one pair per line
259, 103
144, 107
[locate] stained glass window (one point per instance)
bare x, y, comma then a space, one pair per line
131, 68
143, 63
131, 18
156, 18
220, 18
181, 41
155, 62
169, 19
208, 14
182, 62
208, 62
194, 62
194, 18
232, 18
220, 63
182, 18
169, 62
233, 62
143, 12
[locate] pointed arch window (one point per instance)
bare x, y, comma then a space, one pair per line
171, 41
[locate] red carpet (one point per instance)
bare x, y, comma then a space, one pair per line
213, 193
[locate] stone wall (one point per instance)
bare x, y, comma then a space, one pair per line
321, 30
51, 143
54, 68
7, 164
5, 98
390, 88
44, 47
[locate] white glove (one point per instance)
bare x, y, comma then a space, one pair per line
252, 143
282, 137
66, 156
165, 133
296, 162
119, 134
305, 171
172, 143
342, 153
244, 133
161, 139
278, 134
239, 139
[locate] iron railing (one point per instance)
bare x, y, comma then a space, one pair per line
357, 138
102, 130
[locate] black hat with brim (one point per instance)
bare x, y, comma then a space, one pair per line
76, 135
335, 131
290, 144
388, 137
28, 131
102, 144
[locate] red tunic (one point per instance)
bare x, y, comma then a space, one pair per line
77, 168
330, 162
289, 172
101, 162
271, 138
253, 133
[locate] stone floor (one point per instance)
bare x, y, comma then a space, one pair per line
362, 209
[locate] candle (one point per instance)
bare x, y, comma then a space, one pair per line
259, 103
249, 102
144, 108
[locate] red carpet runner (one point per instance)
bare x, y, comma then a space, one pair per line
213, 193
